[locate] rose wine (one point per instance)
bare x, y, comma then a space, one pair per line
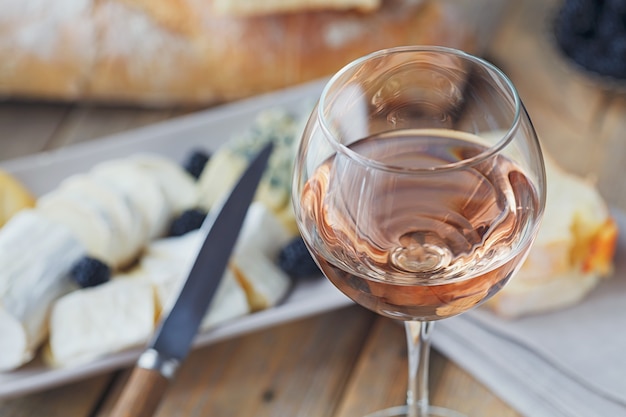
418, 244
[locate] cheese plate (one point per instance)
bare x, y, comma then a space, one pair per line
174, 139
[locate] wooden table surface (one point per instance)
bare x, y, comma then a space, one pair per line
347, 362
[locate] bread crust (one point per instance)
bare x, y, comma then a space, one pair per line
255, 8
125, 51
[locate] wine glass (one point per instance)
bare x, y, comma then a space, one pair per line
418, 188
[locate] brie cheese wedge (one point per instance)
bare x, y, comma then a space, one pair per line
167, 262
178, 186
142, 190
30, 283
88, 323
572, 254
84, 219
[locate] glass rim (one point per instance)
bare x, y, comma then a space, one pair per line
482, 156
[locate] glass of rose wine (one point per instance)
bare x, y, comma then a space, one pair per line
418, 188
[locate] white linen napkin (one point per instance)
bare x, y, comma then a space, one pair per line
569, 363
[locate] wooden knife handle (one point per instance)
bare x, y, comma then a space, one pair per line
141, 395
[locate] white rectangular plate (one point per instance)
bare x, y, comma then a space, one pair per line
175, 138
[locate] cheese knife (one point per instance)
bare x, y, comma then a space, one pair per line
172, 340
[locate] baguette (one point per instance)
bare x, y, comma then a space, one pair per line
180, 52
255, 8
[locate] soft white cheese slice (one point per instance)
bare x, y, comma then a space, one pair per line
84, 218
254, 258
124, 244
262, 231
230, 302
30, 283
14, 349
180, 188
142, 189
560, 291
264, 282
136, 232
91, 322
166, 264
219, 176
108, 318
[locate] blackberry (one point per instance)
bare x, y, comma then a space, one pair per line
592, 33
196, 162
188, 220
609, 25
616, 6
295, 260
89, 272
579, 17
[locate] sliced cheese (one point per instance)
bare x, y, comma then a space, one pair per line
13, 197
254, 259
262, 231
219, 176
134, 233
143, 191
30, 284
86, 220
230, 302
167, 263
123, 248
14, 349
561, 290
92, 322
178, 187
264, 282
572, 252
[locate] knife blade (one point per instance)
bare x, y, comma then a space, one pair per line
172, 340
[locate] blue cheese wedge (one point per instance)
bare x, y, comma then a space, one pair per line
275, 125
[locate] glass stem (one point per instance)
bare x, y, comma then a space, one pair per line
418, 336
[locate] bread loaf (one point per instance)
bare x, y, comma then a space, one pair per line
255, 7
169, 52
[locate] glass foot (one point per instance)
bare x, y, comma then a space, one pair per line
401, 411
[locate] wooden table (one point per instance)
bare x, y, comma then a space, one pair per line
346, 362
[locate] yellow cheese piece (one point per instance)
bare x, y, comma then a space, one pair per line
13, 197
